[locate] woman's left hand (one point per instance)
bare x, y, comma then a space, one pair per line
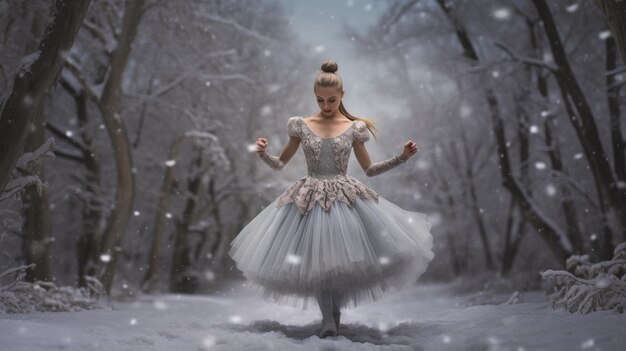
410, 149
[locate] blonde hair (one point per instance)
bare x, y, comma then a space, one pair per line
329, 78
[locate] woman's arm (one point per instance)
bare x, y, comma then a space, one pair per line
372, 169
277, 162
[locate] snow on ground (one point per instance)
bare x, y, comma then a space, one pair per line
424, 317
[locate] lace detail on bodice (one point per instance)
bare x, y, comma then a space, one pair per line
327, 162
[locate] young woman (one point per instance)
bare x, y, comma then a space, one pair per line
329, 239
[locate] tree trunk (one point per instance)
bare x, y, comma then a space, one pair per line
155, 257
612, 94
91, 212
109, 106
615, 15
33, 81
180, 279
568, 207
36, 245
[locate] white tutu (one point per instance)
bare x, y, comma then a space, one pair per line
361, 251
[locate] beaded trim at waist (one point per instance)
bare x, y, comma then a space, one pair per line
326, 176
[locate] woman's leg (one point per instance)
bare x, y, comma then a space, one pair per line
324, 299
337, 302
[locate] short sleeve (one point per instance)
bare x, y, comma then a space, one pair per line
361, 133
293, 127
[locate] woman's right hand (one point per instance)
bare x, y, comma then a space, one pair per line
261, 146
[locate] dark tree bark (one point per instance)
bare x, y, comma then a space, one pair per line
92, 208
36, 244
547, 229
109, 106
611, 194
612, 94
34, 80
155, 256
180, 279
444, 197
615, 15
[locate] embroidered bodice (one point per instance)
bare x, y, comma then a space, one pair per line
327, 161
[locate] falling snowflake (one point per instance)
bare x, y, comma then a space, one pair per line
160, 305
534, 129
168, 215
319, 48
572, 7
422, 164
502, 13
235, 319
105, 257
266, 110
383, 260
550, 190
587, 343
136, 213
540, 165
209, 342
605, 34
602, 282
293, 259
170, 163
578, 156
435, 218
133, 321
209, 275
465, 111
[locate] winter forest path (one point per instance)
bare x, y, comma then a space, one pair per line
424, 317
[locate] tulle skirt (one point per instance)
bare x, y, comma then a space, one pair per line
361, 252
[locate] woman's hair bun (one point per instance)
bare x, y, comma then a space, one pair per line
330, 66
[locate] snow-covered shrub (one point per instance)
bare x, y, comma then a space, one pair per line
591, 287
19, 296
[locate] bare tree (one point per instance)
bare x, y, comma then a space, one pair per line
34, 80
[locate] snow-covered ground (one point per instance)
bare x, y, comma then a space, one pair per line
424, 317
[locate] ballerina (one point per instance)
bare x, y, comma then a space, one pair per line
329, 238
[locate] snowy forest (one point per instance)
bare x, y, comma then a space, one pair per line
128, 165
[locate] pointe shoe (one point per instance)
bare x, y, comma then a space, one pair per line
328, 329
336, 317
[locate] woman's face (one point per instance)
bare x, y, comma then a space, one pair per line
328, 99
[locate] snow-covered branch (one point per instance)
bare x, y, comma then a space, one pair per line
235, 76
44, 151
192, 72
15, 185
22, 297
592, 287
241, 29
109, 43
527, 60
91, 91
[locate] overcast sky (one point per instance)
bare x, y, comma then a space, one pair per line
320, 25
